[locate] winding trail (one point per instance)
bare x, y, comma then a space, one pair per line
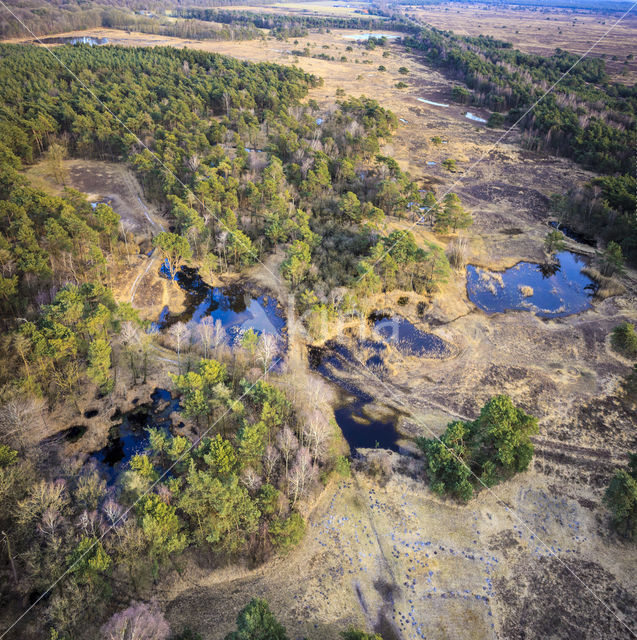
155, 226
151, 262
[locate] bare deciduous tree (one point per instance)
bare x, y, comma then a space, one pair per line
180, 333
130, 340
251, 480
270, 460
140, 621
266, 350
204, 331
21, 420
316, 434
288, 444
302, 475
219, 336
114, 512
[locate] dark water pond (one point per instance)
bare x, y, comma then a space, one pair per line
574, 235
549, 291
407, 338
360, 429
237, 310
74, 40
131, 436
72, 434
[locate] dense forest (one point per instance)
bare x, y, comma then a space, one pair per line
242, 167
44, 17
237, 153
196, 20
297, 25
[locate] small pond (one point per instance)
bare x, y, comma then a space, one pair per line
362, 427
71, 434
130, 436
474, 117
237, 310
74, 40
549, 291
435, 104
574, 235
407, 338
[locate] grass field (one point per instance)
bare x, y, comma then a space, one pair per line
542, 30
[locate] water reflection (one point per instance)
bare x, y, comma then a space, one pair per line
548, 290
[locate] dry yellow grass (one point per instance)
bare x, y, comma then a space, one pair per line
542, 30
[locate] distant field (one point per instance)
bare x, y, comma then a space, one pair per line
317, 7
543, 30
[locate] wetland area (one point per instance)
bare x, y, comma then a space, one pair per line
534, 556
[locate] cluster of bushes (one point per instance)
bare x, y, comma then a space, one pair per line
621, 499
483, 452
624, 340
254, 622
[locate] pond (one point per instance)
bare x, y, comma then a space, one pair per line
549, 291
71, 434
130, 436
435, 104
574, 235
237, 310
362, 425
407, 338
74, 40
474, 117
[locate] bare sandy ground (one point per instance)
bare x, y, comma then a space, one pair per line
396, 559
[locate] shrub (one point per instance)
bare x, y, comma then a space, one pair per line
342, 466
495, 120
355, 634
256, 622
287, 533
491, 448
457, 253
402, 301
554, 242
612, 260
624, 339
621, 499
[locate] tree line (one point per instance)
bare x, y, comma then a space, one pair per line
283, 25
586, 117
